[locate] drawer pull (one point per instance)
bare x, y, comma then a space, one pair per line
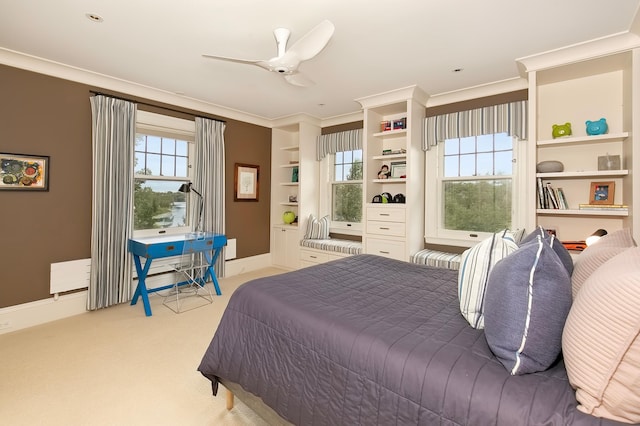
386, 229
313, 257
384, 252
385, 214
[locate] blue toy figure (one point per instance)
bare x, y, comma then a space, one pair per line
599, 127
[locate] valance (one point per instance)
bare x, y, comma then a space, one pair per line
510, 118
331, 143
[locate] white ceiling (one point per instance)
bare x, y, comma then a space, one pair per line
377, 45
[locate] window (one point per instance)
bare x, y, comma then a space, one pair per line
343, 193
161, 166
474, 182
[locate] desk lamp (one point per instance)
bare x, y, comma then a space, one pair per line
186, 188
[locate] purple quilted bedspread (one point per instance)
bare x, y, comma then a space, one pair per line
367, 340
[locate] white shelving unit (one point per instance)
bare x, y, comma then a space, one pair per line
394, 230
574, 91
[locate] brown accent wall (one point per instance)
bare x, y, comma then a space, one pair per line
45, 115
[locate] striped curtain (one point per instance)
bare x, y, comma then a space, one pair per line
209, 179
510, 118
113, 127
331, 143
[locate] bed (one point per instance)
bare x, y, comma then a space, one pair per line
367, 340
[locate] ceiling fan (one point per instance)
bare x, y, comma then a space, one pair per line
288, 61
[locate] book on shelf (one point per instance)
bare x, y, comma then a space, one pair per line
394, 151
550, 197
609, 207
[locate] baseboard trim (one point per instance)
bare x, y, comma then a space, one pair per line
17, 317
29, 314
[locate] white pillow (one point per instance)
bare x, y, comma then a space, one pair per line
475, 265
317, 229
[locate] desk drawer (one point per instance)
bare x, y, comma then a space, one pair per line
390, 214
386, 248
396, 229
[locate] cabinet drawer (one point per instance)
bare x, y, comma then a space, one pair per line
385, 215
313, 256
396, 229
386, 248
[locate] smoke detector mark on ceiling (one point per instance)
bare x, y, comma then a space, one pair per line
93, 17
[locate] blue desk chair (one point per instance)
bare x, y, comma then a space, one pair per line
190, 290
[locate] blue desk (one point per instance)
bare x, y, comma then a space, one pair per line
166, 246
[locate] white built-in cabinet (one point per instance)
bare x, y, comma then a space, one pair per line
588, 88
293, 148
391, 229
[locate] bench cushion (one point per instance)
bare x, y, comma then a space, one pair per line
333, 244
436, 258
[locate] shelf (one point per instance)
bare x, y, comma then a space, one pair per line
289, 183
570, 140
393, 180
287, 203
290, 166
576, 212
391, 133
390, 157
587, 174
290, 148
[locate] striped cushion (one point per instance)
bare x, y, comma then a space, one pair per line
439, 259
601, 340
475, 265
317, 229
527, 301
330, 244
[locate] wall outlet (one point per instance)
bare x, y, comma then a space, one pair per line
5, 324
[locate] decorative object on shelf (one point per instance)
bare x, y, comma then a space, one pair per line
394, 151
294, 174
400, 124
385, 126
602, 192
384, 172
599, 127
288, 217
609, 162
386, 198
549, 167
399, 199
293, 198
24, 172
561, 130
246, 182
596, 236
377, 199
399, 169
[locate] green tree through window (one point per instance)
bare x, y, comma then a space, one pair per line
347, 187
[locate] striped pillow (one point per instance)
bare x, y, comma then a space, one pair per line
601, 340
317, 229
527, 302
475, 265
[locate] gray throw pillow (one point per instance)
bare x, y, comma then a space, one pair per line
527, 301
561, 251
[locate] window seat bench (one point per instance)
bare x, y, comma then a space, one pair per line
319, 251
439, 259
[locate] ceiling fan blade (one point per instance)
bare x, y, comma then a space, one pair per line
241, 61
313, 42
298, 79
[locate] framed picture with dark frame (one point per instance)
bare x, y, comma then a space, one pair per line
246, 182
602, 192
24, 172
398, 169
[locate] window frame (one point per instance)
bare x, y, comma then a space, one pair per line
435, 233
149, 123
326, 201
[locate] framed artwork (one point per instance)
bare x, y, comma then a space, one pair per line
246, 182
399, 169
602, 192
22, 172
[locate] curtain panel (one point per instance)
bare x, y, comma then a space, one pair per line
209, 167
331, 143
113, 139
510, 118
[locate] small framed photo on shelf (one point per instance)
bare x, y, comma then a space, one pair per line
399, 169
602, 192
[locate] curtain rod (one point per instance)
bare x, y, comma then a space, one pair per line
152, 105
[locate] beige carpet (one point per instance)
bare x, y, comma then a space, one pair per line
117, 367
